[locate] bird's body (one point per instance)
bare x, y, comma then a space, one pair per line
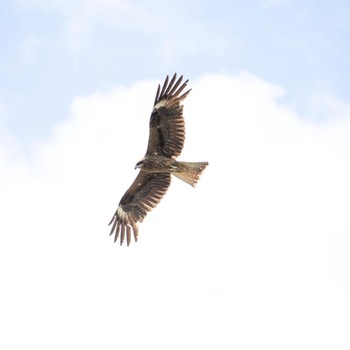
182, 170
156, 164
166, 139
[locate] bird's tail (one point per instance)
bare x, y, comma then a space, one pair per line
189, 171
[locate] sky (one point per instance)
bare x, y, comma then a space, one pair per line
256, 256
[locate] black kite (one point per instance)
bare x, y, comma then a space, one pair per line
166, 140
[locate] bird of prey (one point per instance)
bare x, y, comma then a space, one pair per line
166, 140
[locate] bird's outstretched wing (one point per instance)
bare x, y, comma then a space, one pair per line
143, 195
167, 126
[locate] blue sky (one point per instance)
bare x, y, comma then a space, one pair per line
256, 256
52, 51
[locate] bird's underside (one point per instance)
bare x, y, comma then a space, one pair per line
166, 139
186, 171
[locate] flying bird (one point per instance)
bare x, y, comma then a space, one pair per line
165, 143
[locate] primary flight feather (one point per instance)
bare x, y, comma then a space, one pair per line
166, 140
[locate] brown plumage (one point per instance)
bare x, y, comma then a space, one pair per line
166, 140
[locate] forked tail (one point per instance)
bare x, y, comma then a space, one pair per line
189, 171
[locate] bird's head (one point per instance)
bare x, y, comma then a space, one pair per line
139, 164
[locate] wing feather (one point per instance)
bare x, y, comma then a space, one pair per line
167, 125
164, 85
128, 235
143, 195
122, 233
167, 91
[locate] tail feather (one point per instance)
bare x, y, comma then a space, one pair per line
189, 172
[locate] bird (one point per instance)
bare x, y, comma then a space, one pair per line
165, 143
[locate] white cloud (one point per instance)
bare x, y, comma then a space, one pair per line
326, 107
255, 257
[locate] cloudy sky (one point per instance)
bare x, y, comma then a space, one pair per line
257, 256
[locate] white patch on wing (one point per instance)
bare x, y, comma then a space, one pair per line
160, 104
121, 213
